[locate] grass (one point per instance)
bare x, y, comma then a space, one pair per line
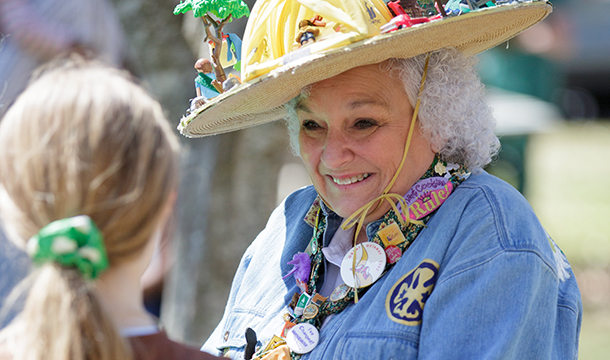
569, 181
569, 188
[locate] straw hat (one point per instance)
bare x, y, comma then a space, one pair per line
275, 68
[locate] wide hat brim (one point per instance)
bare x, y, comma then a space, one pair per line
261, 100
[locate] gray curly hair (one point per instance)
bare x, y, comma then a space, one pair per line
453, 113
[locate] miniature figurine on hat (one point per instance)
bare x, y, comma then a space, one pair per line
308, 30
204, 83
215, 14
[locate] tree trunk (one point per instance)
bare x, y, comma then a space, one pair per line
240, 172
228, 182
216, 38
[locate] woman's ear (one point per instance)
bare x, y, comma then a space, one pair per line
435, 147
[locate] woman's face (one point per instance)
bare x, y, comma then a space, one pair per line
353, 130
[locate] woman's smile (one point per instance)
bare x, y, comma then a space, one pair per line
349, 180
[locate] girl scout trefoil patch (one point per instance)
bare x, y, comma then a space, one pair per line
406, 299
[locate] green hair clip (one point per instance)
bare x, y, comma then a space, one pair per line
72, 242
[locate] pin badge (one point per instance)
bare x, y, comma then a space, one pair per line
339, 293
314, 246
302, 285
287, 317
370, 263
391, 235
303, 338
318, 299
426, 196
303, 301
274, 343
294, 300
394, 254
310, 312
286, 329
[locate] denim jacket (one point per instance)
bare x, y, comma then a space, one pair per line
483, 280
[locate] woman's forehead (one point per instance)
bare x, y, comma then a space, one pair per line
357, 87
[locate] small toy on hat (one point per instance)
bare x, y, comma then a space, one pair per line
309, 29
205, 83
226, 48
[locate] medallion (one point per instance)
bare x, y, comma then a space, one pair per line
310, 312
370, 263
339, 293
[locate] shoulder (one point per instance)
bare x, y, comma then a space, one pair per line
301, 198
286, 222
290, 214
489, 200
488, 218
159, 346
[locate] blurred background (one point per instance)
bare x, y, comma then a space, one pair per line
549, 88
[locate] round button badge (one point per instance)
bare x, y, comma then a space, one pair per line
370, 263
302, 338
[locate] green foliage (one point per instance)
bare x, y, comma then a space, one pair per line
219, 8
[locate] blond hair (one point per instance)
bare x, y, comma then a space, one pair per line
83, 138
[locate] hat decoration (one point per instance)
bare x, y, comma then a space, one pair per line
72, 242
289, 44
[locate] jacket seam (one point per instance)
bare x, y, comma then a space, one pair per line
489, 259
569, 307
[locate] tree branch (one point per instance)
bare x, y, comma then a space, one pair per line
224, 22
209, 21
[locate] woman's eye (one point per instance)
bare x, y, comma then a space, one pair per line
365, 123
310, 125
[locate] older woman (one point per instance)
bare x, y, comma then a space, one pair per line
404, 247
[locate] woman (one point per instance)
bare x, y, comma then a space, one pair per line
88, 173
404, 247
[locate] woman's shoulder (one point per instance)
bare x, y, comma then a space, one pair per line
487, 198
490, 217
303, 197
493, 189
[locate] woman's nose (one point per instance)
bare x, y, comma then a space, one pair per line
337, 150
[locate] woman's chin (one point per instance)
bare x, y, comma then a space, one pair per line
347, 210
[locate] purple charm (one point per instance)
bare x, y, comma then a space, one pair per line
302, 267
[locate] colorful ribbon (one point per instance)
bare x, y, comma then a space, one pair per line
359, 216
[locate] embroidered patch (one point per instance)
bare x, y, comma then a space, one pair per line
406, 299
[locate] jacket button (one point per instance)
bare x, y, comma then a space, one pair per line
226, 337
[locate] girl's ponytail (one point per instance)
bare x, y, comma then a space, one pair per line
63, 319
